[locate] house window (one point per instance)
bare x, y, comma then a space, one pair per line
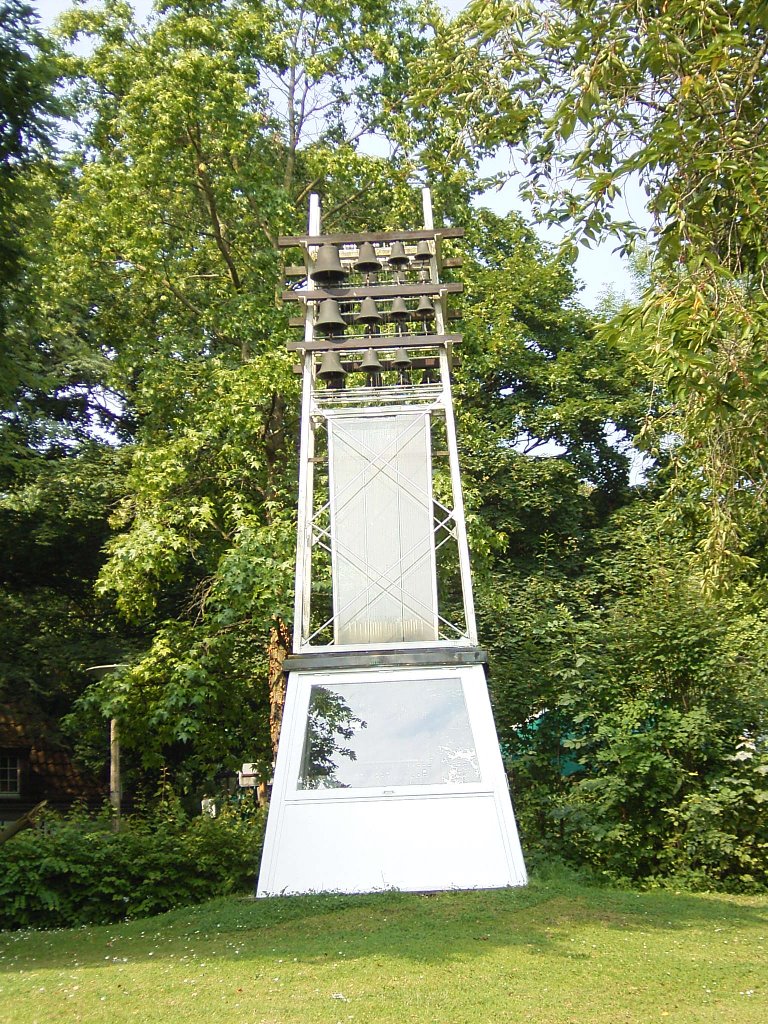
10, 775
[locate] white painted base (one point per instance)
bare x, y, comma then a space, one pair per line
391, 817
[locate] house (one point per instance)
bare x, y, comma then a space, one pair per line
36, 764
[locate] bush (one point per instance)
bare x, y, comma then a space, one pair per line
73, 870
634, 717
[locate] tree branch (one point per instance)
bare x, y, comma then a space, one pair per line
219, 230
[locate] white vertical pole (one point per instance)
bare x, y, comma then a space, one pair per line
301, 606
453, 452
458, 499
426, 205
429, 223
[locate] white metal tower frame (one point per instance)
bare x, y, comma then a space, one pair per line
435, 400
388, 773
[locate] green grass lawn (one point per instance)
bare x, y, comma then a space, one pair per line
557, 951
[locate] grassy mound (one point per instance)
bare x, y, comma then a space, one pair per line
557, 952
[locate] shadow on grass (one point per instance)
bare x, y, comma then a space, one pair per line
424, 928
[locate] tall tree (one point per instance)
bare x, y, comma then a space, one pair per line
195, 143
26, 104
58, 483
546, 407
671, 96
198, 140
27, 108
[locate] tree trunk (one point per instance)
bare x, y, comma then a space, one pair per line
25, 821
277, 649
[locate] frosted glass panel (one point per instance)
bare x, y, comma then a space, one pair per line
363, 735
382, 534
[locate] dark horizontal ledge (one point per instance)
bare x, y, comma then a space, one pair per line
299, 321
417, 363
374, 291
287, 241
294, 270
417, 657
357, 344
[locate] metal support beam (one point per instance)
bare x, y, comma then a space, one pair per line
301, 608
453, 450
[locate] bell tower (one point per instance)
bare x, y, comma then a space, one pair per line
388, 772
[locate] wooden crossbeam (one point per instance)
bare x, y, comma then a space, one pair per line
299, 321
294, 270
362, 342
374, 291
423, 234
417, 363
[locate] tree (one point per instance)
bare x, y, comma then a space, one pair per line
633, 712
197, 142
545, 406
26, 105
160, 268
27, 108
52, 529
671, 96
157, 268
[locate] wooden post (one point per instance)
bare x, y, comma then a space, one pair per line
114, 773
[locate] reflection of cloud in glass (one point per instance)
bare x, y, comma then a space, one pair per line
417, 733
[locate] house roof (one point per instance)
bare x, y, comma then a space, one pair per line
13, 730
55, 774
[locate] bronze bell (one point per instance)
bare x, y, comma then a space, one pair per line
331, 370
327, 267
425, 310
367, 261
369, 313
423, 254
399, 311
402, 363
429, 376
329, 319
397, 257
372, 367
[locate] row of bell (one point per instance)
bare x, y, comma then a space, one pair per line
327, 268
330, 321
333, 373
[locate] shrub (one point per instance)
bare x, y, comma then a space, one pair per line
74, 869
634, 717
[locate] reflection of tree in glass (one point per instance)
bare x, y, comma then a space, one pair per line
330, 722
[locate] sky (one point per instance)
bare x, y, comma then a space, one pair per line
598, 269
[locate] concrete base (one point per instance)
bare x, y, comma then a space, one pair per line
396, 783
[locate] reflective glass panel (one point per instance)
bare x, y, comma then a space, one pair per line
379, 734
